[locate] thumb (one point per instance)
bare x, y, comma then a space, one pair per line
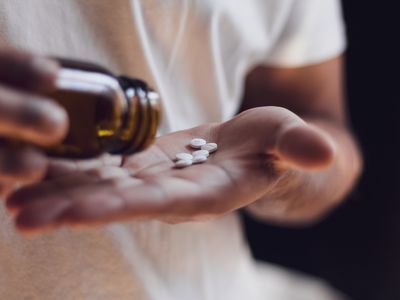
304, 146
280, 132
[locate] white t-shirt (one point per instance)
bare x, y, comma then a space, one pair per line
196, 54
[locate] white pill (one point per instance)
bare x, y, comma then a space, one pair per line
198, 159
184, 156
201, 153
183, 163
210, 147
197, 143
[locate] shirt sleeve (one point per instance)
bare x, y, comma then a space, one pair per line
312, 32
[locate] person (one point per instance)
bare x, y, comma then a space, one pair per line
135, 227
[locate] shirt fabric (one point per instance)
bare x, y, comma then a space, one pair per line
196, 53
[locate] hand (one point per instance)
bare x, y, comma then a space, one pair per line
255, 149
26, 116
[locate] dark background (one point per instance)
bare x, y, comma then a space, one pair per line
357, 248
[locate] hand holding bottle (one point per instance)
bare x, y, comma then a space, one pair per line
27, 116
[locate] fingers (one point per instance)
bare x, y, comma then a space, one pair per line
27, 71
96, 202
27, 117
42, 215
47, 205
31, 118
22, 114
76, 183
90, 195
20, 166
54, 203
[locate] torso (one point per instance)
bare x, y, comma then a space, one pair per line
196, 54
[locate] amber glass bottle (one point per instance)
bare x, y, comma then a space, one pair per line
107, 113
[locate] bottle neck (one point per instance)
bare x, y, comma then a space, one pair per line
141, 117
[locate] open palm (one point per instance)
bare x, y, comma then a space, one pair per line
255, 149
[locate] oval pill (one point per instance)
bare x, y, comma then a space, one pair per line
201, 153
184, 156
183, 163
197, 143
198, 159
210, 147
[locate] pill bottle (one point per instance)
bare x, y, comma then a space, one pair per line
107, 113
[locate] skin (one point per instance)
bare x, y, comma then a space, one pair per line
284, 167
27, 116
316, 94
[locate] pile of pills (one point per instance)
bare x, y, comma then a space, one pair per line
198, 156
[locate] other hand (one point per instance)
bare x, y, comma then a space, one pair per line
256, 148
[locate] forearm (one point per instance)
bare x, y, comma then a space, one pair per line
301, 197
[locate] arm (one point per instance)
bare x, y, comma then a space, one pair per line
267, 152
315, 93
